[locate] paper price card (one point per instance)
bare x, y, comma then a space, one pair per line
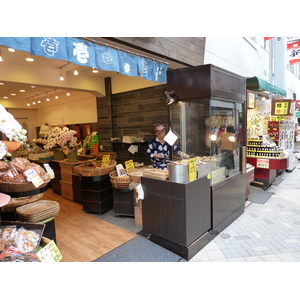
49, 170
32, 176
192, 169
49, 253
105, 160
129, 165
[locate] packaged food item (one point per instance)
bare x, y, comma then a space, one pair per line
26, 240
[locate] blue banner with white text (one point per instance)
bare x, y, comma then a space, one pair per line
89, 54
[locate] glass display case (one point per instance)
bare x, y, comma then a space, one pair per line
200, 124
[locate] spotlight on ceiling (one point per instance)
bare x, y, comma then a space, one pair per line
170, 97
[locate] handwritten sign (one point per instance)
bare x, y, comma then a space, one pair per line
105, 160
192, 169
49, 253
33, 176
281, 108
49, 170
129, 165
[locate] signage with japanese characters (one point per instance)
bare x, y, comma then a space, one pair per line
281, 107
262, 163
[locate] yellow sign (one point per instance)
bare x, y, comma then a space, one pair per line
192, 169
281, 108
251, 100
105, 160
49, 253
129, 165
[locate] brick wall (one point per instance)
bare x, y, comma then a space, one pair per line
188, 50
131, 113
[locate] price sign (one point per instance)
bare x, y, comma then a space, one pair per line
49, 170
49, 253
262, 163
105, 160
129, 165
192, 169
32, 176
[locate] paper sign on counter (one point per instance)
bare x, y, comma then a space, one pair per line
105, 160
192, 169
129, 165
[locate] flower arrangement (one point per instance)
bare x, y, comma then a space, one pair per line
68, 141
62, 139
12, 129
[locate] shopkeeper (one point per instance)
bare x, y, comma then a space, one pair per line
159, 150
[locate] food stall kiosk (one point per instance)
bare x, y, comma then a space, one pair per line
184, 216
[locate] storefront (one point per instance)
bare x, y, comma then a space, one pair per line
270, 131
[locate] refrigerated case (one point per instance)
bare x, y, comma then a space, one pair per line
209, 100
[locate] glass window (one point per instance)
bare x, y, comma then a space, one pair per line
211, 131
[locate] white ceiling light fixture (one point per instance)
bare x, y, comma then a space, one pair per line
47, 98
1, 59
61, 76
11, 49
30, 59
95, 70
68, 94
56, 97
76, 72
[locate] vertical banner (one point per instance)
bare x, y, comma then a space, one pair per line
145, 68
81, 52
128, 64
159, 72
50, 47
18, 43
293, 53
107, 59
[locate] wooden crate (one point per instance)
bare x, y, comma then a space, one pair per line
66, 170
67, 190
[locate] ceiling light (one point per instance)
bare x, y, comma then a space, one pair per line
28, 104
13, 94
11, 49
47, 98
61, 76
95, 70
33, 103
22, 91
0, 56
5, 97
68, 94
1, 83
33, 86
39, 101
56, 97
29, 59
169, 96
76, 72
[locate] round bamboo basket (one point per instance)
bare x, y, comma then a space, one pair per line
119, 182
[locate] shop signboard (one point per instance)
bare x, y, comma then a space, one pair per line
251, 99
129, 165
262, 163
281, 107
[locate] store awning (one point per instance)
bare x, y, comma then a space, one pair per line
257, 84
85, 53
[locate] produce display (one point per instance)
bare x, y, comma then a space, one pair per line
17, 175
94, 167
18, 244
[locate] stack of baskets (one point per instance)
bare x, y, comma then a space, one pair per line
38, 211
119, 182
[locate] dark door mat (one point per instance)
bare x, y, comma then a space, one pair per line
139, 249
259, 196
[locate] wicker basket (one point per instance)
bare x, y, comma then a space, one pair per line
96, 170
15, 187
119, 182
38, 211
156, 174
136, 174
16, 202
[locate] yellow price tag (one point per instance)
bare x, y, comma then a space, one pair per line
129, 165
105, 160
192, 169
49, 253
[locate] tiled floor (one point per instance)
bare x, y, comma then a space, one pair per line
267, 232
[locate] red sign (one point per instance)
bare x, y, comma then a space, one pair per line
293, 50
268, 38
